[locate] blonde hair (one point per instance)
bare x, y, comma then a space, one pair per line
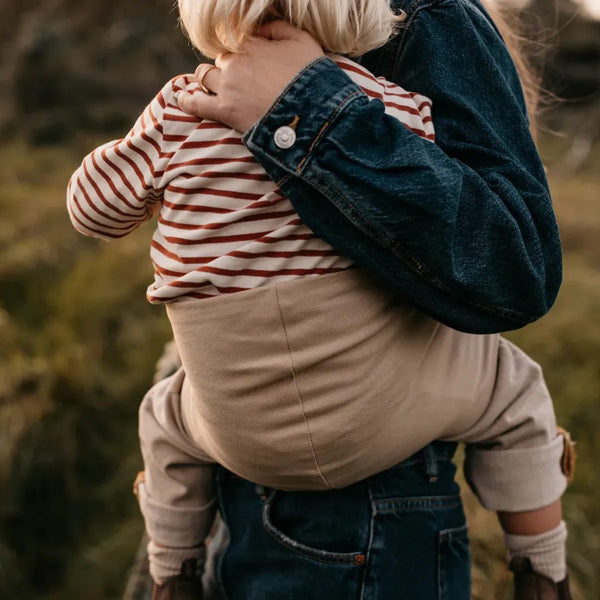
350, 27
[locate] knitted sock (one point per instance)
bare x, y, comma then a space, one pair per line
166, 562
546, 551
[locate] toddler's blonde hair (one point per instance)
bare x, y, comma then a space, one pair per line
349, 27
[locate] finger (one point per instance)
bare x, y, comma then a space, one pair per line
278, 30
199, 105
202, 69
208, 77
222, 60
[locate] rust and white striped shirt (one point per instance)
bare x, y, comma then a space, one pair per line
223, 225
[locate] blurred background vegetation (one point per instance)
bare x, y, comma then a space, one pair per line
78, 342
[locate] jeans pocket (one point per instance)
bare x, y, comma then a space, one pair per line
454, 561
292, 532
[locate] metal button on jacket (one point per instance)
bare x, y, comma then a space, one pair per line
285, 137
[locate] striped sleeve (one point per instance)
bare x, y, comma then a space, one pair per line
412, 109
118, 185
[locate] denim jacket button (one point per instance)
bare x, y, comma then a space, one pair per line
285, 137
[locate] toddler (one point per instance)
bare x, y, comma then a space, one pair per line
299, 371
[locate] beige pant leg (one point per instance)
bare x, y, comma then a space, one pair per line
513, 454
177, 496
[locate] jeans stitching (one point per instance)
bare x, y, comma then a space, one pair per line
444, 536
454, 533
325, 556
331, 118
418, 503
283, 180
363, 586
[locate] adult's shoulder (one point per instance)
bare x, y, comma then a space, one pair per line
434, 29
412, 7
441, 12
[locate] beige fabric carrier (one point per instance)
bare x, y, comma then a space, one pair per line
332, 370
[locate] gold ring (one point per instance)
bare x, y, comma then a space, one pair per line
201, 73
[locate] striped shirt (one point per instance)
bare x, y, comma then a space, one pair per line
223, 225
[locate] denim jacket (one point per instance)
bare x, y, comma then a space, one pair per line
464, 229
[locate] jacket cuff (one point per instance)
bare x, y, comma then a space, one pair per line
330, 91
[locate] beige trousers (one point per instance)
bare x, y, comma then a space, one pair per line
319, 382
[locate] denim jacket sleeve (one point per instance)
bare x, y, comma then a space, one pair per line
464, 228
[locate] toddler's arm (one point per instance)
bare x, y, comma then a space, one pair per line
412, 109
117, 186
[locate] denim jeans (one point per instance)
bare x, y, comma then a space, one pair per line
399, 534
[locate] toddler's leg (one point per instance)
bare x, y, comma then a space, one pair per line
538, 560
517, 463
176, 494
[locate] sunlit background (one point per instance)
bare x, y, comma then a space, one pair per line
78, 342
589, 8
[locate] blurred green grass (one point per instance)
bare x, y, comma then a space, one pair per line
78, 343
567, 344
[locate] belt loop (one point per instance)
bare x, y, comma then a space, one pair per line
431, 465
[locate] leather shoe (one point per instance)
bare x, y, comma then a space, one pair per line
186, 586
531, 585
